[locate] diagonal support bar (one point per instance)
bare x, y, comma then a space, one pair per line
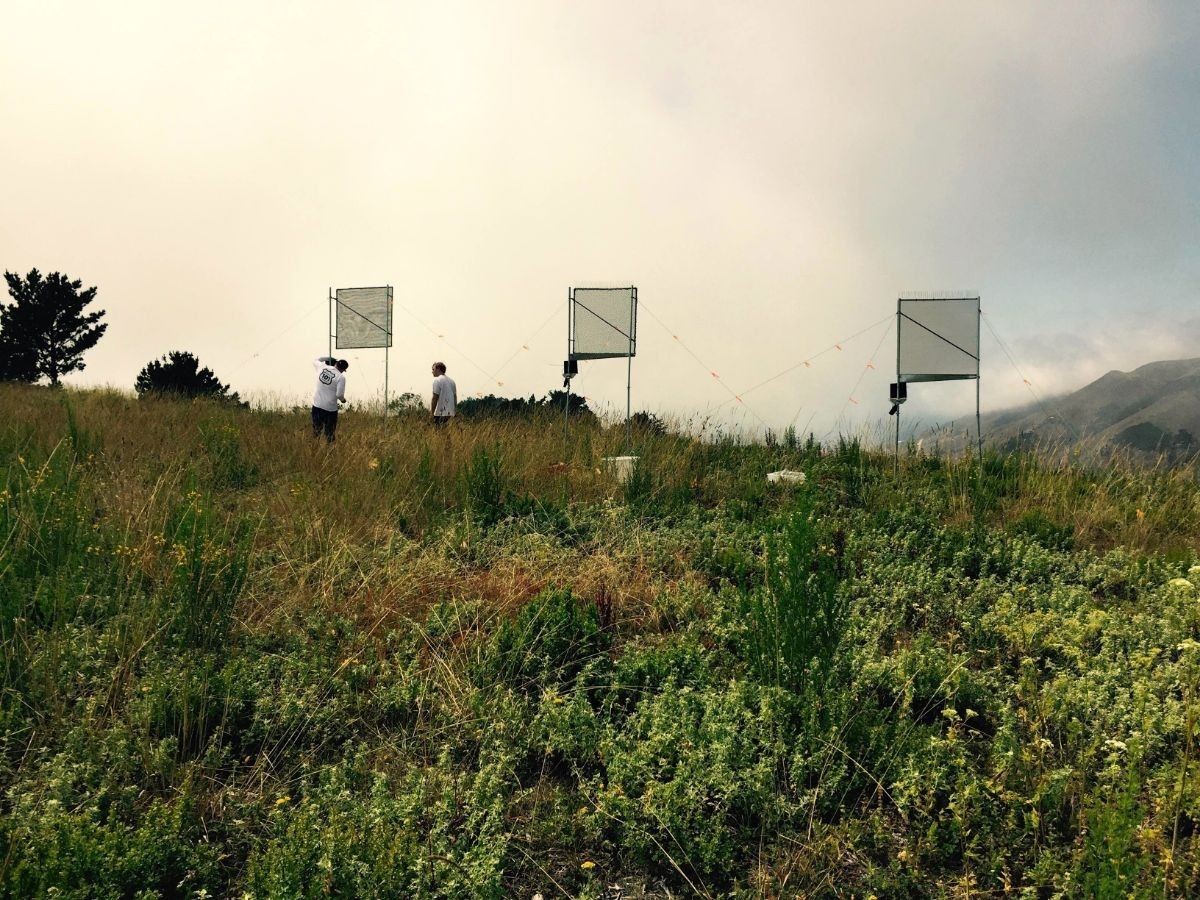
940, 337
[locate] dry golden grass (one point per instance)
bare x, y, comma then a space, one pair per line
342, 527
346, 527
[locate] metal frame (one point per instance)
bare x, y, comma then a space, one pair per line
631, 336
333, 300
917, 377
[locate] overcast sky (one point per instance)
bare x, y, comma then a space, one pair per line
770, 176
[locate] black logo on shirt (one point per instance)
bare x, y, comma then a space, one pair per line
326, 377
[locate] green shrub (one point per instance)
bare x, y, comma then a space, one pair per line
1037, 526
355, 833
79, 823
692, 779
727, 551
547, 645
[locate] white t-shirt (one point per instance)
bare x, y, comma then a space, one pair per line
447, 394
331, 386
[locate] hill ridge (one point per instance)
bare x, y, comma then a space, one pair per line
1152, 408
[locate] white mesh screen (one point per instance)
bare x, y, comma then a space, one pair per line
364, 317
605, 322
939, 339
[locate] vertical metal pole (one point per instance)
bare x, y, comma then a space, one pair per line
978, 380
896, 464
629, 373
330, 353
978, 423
566, 376
629, 404
387, 347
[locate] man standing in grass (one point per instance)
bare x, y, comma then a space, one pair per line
445, 396
331, 390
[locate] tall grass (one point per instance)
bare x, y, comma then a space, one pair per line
399, 469
798, 616
467, 662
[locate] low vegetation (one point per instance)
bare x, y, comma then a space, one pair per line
238, 662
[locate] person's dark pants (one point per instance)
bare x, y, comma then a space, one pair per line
326, 421
441, 421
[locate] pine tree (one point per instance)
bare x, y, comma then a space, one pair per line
178, 374
45, 331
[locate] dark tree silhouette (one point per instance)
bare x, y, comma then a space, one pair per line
45, 331
649, 423
17, 361
178, 374
492, 406
579, 405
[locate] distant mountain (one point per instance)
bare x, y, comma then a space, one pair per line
1153, 409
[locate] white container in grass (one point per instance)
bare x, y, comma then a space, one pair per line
619, 467
786, 476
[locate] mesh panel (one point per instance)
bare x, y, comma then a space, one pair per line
364, 317
605, 323
939, 339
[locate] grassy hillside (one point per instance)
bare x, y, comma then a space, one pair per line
468, 664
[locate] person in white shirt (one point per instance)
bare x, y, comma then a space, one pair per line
445, 396
331, 390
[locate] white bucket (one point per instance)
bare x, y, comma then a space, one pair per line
786, 476
620, 467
